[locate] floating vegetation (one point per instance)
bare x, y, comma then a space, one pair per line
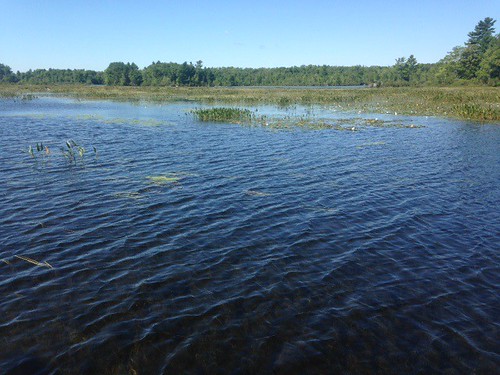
167, 179
149, 122
309, 121
388, 124
33, 261
122, 121
224, 114
256, 193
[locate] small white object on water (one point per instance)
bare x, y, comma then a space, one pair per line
395, 113
353, 128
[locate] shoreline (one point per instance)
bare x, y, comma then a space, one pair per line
477, 103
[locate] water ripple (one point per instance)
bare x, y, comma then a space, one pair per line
271, 252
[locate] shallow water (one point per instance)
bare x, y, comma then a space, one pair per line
187, 247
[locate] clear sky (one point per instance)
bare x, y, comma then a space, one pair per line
259, 33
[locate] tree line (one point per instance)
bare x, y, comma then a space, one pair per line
477, 61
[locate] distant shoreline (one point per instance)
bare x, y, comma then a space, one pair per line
477, 103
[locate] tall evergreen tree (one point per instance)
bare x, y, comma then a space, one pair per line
482, 35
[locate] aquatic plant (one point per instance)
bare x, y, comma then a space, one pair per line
73, 149
420, 101
33, 261
168, 179
40, 148
224, 114
476, 111
70, 152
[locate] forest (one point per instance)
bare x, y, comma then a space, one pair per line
475, 62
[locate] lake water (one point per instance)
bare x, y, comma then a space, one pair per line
186, 247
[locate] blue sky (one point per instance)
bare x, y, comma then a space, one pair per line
260, 33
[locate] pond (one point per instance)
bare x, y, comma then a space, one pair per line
136, 239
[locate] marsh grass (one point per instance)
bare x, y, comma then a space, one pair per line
224, 114
308, 121
477, 111
474, 103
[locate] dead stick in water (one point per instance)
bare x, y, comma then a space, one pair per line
35, 262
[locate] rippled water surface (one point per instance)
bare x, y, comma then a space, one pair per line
187, 247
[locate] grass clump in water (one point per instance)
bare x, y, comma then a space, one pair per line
475, 111
224, 114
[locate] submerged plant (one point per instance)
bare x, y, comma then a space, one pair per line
168, 179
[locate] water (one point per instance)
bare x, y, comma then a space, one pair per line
263, 251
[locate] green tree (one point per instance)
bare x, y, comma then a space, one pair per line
475, 48
469, 62
121, 74
406, 69
489, 70
134, 74
447, 68
116, 74
6, 74
482, 35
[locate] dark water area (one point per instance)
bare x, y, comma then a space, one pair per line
187, 247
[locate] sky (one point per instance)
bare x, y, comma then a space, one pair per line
90, 34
